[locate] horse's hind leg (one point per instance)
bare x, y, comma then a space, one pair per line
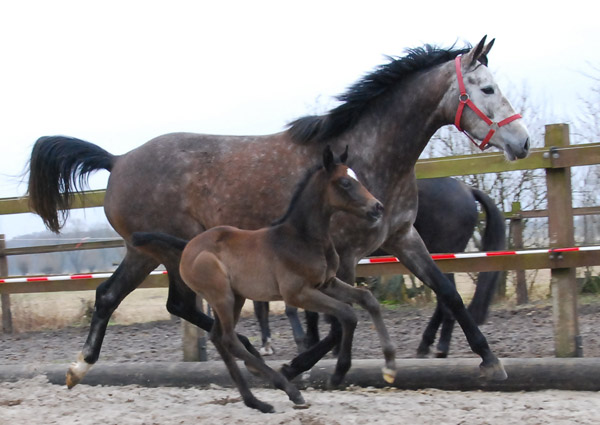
297, 330
261, 311
430, 332
443, 345
109, 294
441, 316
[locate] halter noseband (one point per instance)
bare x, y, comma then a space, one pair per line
465, 100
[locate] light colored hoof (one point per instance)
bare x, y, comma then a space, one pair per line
266, 350
389, 375
77, 371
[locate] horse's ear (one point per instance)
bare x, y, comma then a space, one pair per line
328, 161
344, 156
473, 56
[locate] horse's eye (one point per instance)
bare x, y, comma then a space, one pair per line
488, 90
345, 183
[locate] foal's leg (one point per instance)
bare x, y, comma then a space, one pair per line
231, 345
313, 299
216, 336
182, 303
341, 291
109, 294
430, 332
410, 249
261, 311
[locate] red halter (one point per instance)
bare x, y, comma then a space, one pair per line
464, 100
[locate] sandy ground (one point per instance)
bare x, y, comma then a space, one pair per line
35, 401
512, 332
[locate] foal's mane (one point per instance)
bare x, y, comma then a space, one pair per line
319, 128
297, 192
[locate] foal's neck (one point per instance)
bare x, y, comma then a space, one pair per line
311, 215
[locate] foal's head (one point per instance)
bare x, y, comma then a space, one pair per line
345, 192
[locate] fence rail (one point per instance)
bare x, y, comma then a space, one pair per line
556, 158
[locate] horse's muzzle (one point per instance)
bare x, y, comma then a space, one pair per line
376, 212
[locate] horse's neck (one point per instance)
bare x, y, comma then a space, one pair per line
389, 140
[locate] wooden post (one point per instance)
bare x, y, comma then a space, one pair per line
516, 231
194, 339
567, 341
7, 326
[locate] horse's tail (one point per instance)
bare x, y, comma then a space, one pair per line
152, 238
494, 239
58, 168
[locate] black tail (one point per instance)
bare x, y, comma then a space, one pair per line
58, 168
494, 239
145, 238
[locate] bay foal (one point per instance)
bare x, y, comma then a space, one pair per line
293, 260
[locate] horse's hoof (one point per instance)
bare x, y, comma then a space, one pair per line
266, 350
263, 407
77, 371
298, 400
422, 353
493, 372
389, 375
441, 355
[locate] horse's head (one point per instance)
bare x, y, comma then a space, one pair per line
480, 110
346, 192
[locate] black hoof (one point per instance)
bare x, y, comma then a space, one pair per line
441, 355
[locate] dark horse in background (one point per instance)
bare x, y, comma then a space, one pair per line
446, 219
184, 183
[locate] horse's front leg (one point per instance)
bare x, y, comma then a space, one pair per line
410, 249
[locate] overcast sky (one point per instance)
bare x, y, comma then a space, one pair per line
117, 73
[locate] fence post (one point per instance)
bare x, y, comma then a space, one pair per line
194, 339
7, 326
516, 231
567, 341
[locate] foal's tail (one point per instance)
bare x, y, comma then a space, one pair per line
153, 238
58, 168
494, 239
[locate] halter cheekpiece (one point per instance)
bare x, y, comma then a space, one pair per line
465, 100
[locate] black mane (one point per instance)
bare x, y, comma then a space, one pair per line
318, 128
297, 192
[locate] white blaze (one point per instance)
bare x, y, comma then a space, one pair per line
351, 173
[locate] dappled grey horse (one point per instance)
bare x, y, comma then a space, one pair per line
184, 184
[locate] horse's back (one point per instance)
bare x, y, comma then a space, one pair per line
185, 183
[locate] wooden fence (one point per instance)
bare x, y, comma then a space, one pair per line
556, 158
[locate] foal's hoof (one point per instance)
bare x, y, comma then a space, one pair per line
493, 371
260, 405
389, 375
